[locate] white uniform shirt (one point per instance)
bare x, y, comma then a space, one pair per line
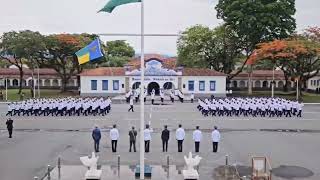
147, 134
215, 135
180, 134
114, 134
131, 101
197, 135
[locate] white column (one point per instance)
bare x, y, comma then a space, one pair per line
142, 95
51, 82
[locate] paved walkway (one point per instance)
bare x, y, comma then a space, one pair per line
39, 141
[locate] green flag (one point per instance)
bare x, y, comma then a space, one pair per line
112, 4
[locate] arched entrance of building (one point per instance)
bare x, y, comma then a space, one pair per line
168, 85
155, 86
136, 85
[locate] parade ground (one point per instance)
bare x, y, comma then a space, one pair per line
290, 143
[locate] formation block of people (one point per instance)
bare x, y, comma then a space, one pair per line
68, 106
254, 107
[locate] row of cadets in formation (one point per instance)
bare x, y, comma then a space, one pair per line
60, 107
254, 107
173, 93
165, 136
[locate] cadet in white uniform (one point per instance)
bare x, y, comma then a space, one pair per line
180, 134
131, 105
114, 136
152, 96
215, 136
197, 136
161, 95
172, 96
147, 138
192, 97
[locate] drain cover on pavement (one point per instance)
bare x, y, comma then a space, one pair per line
290, 172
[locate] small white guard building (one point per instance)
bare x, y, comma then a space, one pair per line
160, 73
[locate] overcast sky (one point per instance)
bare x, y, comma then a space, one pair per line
161, 16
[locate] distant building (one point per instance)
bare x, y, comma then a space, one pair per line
48, 78
160, 73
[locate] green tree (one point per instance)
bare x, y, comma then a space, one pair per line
19, 48
60, 54
199, 46
257, 21
118, 53
298, 57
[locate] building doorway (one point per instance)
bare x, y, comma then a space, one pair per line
136, 85
155, 86
168, 85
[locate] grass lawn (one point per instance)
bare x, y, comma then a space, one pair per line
14, 96
306, 98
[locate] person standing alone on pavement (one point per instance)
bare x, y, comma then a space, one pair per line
165, 135
114, 136
9, 124
131, 105
197, 136
132, 139
215, 135
96, 135
180, 134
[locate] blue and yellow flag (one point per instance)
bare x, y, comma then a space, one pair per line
90, 52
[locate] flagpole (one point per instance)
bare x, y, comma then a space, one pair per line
142, 95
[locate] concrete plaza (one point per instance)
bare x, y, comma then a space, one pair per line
39, 141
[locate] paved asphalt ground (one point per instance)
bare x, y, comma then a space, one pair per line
39, 141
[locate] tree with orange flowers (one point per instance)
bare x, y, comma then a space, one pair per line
298, 57
60, 54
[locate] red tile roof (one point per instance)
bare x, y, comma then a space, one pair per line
14, 71
169, 63
261, 74
104, 71
200, 72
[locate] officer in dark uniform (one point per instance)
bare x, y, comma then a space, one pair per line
165, 135
132, 139
9, 124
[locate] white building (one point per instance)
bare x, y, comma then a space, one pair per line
160, 73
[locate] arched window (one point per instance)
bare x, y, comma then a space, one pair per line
257, 84
46, 82
15, 82
242, 84
136, 85
235, 84
280, 84
265, 84
168, 85
55, 82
